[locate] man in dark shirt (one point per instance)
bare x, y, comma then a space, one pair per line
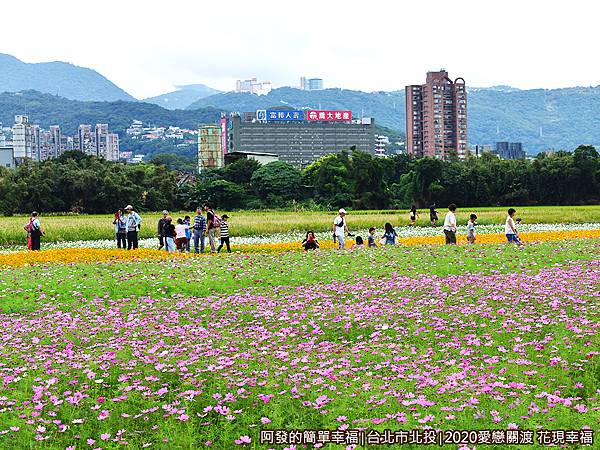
210, 227
161, 229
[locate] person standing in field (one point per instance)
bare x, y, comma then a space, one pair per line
510, 229
199, 230
160, 229
120, 229
34, 232
450, 225
211, 225
471, 235
433, 217
188, 233
134, 222
390, 237
180, 235
413, 215
169, 232
340, 228
224, 234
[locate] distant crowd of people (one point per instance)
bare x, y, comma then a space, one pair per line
176, 236
179, 235
390, 236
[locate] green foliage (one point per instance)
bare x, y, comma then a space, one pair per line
277, 182
79, 183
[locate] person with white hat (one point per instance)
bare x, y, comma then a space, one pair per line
161, 229
340, 228
134, 221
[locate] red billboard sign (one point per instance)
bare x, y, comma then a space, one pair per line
334, 116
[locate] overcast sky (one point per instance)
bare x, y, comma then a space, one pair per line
148, 47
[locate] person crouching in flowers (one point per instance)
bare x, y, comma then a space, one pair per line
310, 242
359, 243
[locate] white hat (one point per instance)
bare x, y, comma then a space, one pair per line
342, 211
165, 211
129, 207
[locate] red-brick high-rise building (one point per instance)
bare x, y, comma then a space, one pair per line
436, 117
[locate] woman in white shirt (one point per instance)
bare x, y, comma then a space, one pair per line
181, 235
450, 224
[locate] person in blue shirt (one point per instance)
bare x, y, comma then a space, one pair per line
199, 230
188, 233
134, 222
390, 235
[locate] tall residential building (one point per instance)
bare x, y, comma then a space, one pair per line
35, 142
303, 84
85, 140
436, 117
22, 143
101, 136
112, 147
56, 139
210, 150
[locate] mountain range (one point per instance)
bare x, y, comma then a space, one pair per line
539, 118
183, 97
58, 78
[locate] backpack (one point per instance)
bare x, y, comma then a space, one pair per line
216, 220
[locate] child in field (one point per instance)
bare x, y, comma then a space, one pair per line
359, 243
471, 235
371, 239
224, 234
310, 242
510, 228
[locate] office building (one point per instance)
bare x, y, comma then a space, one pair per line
210, 149
315, 84
22, 145
436, 117
298, 141
510, 150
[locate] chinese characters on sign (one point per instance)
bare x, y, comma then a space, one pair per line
274, 115
428, 437
335, 116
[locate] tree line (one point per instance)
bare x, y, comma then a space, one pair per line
79, 183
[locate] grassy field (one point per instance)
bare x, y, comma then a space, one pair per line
91, 227
207, 352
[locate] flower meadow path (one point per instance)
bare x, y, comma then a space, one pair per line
205, 353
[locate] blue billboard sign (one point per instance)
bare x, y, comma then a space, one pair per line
274, 115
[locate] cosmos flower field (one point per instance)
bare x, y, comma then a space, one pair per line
187, 353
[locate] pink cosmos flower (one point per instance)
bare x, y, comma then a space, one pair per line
243, 440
